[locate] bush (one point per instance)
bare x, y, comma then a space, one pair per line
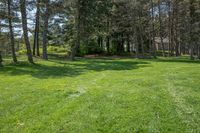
57, 49
22, 52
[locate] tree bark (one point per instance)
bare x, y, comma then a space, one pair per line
173, 42
108, 37
12, 41
36, 50
169, 29
128, 43
198, 52
191, 51
46, 25
77, 35
108, 44
177, 45
141, 34
192, 21
160, 28
25, 29
153, 30
1, 60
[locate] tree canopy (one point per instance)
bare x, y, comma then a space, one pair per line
110, 27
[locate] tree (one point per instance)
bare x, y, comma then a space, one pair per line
192, 33
12, 41
153, 29
114, 27
45, 30
25, 30
36, 47
161, 26
1, 60
77, 28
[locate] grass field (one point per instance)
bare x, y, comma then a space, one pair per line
101, 95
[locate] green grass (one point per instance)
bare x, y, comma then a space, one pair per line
101, 95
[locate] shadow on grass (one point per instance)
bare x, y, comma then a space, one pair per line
58, 68
177, 60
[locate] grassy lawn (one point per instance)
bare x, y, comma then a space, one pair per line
101, 95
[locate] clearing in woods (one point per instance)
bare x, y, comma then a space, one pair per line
101, 95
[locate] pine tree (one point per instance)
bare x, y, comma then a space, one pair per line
25, 30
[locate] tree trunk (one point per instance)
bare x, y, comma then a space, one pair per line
108, 37
128, 43
25, 29
160, 28
192, 52
108, 44
169, 29
141, 34
153, 30
122, 43
101, 43
176, 36
77, 27
173, 42
12, 41
192, 21
1, 60
46, 25
142, 43
0, 27
198, 52
36, 34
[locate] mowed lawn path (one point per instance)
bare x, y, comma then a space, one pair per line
101, 95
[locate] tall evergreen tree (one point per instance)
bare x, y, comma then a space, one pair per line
25, 29
12, 41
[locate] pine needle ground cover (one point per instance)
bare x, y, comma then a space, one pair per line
101, 95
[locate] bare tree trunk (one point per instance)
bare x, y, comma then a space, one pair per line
191, 51
0, 27
108, 37
198, 52
36, 34
192, 21
1, 60
173, 42
169, 29
25, 29
150, 41
160, 28
176, 36
122, 43
142, 41
101, 43
153, 30
46, 25
108, 44
77, 27
141, 34
128, 43
12, 41
136, 43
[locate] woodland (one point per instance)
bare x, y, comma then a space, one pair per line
100, 66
